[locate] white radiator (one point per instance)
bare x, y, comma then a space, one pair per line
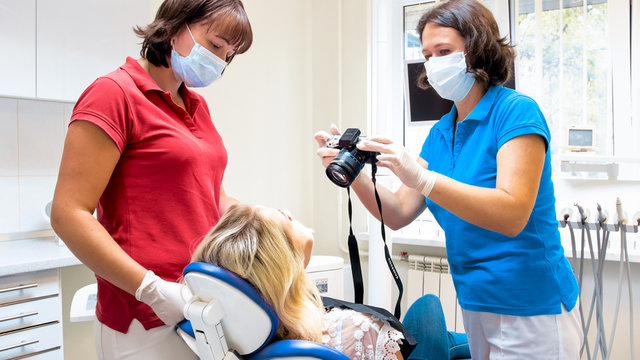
430, 275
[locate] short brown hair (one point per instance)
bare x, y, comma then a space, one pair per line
490, 57
228, 16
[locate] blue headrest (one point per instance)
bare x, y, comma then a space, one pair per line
246, 312
298, 349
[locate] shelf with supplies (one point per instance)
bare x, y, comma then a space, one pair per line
591, 166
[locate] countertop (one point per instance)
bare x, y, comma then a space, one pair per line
26, 255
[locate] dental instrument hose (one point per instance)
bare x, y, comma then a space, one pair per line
624, 260
602, 256
600, 338
566, 217
598, 287
574, 257
585, 329
566, 221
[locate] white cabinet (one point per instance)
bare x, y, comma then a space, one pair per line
18, 48
31, 316
53, 49
80, 40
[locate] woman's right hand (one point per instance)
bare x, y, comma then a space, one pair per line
325, 153
167, 299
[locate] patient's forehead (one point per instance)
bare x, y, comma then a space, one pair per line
274, 215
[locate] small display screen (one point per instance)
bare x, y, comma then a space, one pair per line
580, 137
424, 105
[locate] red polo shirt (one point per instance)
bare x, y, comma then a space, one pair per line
163, 195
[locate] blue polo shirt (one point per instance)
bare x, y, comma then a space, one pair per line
523, 275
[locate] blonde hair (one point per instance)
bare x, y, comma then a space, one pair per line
255, 247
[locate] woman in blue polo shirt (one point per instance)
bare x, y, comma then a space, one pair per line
485, 173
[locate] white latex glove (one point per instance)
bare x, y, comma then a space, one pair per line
326, 154
398, 160
167, 299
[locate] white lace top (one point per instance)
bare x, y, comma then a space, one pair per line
360, 336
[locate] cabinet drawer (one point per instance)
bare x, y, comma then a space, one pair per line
15, 288
21, 343
30, 313
54, 353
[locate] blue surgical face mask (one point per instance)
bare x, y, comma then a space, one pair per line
200, 68
449, 77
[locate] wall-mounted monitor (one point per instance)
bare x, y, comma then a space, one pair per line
423, 108
426, 105
421, 104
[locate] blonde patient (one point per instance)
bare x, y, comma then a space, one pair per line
270, 249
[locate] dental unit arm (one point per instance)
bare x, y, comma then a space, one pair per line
603, 216
621, 215
636, 221
565, 216
227, 319
624, 265
604, 224
584, 215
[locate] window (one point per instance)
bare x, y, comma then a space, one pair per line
575, 60
413, 10
564, 62
411, 16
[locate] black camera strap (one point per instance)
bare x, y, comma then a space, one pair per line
354, 254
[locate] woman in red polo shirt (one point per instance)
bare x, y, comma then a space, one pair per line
142, 150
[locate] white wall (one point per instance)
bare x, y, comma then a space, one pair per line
306, 69
31, 138
261, 106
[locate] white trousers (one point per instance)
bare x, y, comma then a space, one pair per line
139, 344
543, 337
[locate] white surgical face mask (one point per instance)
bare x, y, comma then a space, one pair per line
200, 68
449, 77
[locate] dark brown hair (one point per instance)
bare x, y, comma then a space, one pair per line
489, 56
227, 16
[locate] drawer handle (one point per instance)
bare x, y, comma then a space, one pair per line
19, 316
19, 287
19, 345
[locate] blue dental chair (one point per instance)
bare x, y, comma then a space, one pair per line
228, 319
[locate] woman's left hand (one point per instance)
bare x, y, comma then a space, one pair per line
395, 157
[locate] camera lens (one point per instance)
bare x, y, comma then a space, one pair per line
346, 166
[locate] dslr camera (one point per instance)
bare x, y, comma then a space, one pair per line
346, 166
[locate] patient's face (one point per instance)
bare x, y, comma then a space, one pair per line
300, 235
